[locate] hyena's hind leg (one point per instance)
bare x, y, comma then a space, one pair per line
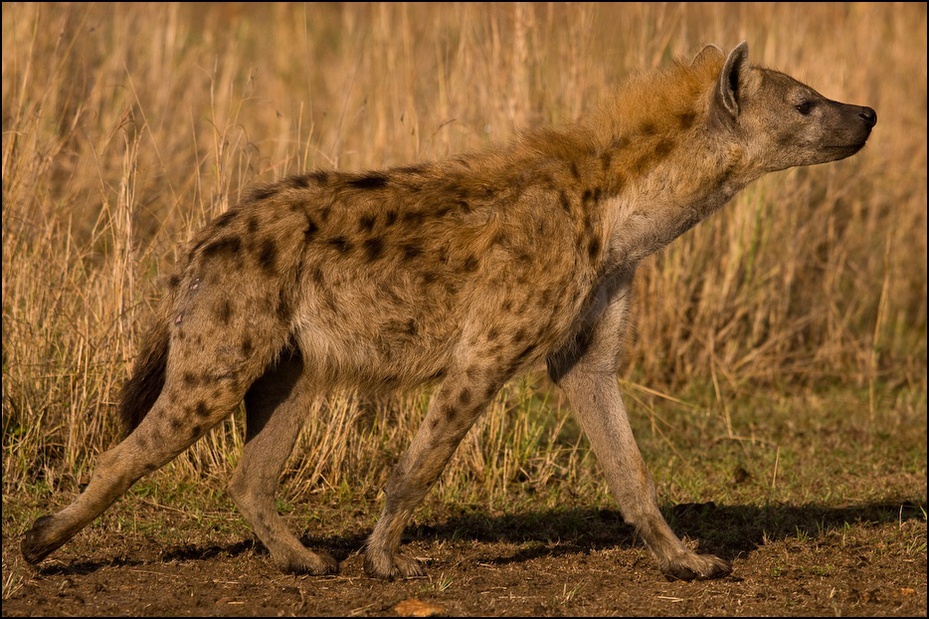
456, 405
204, 381
275, 408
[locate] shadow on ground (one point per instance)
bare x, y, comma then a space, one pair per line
727, 531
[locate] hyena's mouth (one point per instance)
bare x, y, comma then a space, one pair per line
840, 151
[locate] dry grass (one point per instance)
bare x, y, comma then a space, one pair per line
126, 127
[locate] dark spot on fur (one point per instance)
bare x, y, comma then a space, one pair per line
544, 299
413, 217
588, 223
493, 334
225, 312
687, 119
174, 281
263, 193
464, 397
317, 275
320, 176
593, 250
575, 173
525, 353
366, 223
252, 224
391, 379
391, 218
369, 181
195, 431
411, 328
230, 245
565, 202
470, 264
342, 244
176, 424
311, 229
663, 148
620, 142
374, 247
202, 410
267, 256
450, 413
591, 196
225, 219
648, 128
606, 158
324, 213
190, 379
411, 251
246, 346
299, 182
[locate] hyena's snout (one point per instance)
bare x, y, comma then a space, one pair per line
859, 120
839, 131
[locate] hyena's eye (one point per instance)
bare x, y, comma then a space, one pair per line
804, 107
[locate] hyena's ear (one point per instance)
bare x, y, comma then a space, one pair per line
731, 84
708, 54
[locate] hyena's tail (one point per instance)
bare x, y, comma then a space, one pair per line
142, 389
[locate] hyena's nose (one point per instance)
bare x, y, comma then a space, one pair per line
868, 115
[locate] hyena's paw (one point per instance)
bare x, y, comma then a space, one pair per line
306, 562
696, 567
36, 544
382, 564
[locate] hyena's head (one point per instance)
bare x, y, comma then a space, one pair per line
781, 122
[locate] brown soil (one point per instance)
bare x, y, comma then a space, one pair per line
802, 561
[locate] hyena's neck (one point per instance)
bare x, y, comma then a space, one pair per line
662, 189
665, 167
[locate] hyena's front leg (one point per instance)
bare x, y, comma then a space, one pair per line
275, 409
587, 374
453, 410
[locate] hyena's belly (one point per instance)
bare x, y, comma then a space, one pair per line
367, 337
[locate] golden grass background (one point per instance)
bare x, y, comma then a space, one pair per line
127, 126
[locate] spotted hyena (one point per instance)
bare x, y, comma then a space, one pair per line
462, 273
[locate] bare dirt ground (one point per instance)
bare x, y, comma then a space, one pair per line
801, 561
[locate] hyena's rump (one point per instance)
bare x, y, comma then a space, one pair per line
463, 273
